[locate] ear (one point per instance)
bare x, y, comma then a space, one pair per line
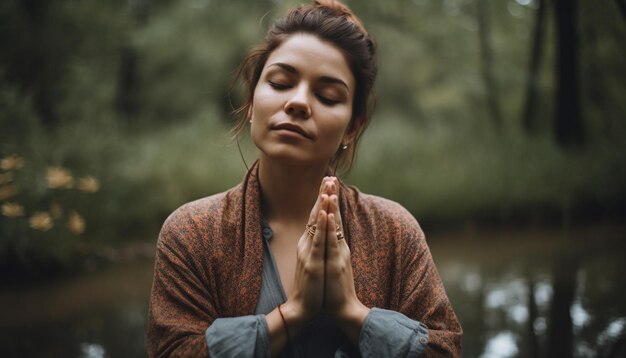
353, 130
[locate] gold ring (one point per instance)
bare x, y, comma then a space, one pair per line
339, 233
310, 230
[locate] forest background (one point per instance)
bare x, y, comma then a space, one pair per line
114, 113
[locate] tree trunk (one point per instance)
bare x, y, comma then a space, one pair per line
533, 344
529, 120
128, 78
493, 105
560, 333
622, 7
568, 124
127, 85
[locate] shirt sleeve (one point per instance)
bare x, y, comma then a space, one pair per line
388, 333
245, 336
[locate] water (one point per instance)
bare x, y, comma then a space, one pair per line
100, 314
517, 294
537, 294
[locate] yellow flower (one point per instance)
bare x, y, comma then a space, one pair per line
88, 184
56, 210
7, 191
12, 210
6, 178
12, 162
41, 221
59, 177
75, 223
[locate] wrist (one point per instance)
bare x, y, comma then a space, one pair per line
294, 316
351, 318
354, 313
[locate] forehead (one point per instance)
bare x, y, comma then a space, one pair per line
311, 56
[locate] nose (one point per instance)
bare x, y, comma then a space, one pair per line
298, 104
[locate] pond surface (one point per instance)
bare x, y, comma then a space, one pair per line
518, 293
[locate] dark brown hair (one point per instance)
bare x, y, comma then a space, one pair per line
331, 21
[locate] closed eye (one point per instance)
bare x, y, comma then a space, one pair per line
278, 86
327, 101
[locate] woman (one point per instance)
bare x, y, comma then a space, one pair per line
292, 262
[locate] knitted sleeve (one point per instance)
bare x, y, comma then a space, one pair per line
181, 305
422, 295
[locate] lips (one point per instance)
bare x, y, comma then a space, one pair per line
293, 128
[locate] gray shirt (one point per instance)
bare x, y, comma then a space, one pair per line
384, 333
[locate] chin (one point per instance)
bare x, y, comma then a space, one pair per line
290, 157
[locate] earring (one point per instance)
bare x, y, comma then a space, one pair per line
343, 147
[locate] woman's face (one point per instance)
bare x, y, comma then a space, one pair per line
302, 104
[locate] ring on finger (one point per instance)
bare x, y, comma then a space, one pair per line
310, 230
339, 233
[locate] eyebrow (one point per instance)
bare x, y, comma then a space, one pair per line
325, 79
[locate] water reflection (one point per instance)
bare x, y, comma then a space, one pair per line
91, 350
516, 294
100, 314
539, 295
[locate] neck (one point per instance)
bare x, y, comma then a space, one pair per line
288, 191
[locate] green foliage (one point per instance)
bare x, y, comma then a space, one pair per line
138, 97
454, 175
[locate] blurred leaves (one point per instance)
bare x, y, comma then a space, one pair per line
33, 211
41, 221
12, 210
59, 178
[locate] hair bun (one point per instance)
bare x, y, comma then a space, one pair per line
342, 10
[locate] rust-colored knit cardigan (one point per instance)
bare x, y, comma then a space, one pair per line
210, 259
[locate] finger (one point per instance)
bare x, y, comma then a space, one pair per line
333, 186
318, 244
313, 225
329, 186
335, 242
331, 235
318, 202
333, 189
334, 208
305, 240
315, 210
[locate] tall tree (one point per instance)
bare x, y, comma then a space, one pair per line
568, 127
128, 86
533, 343
529, 114
493, 105
560, 331
622, 7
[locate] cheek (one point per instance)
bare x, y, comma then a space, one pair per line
338, 125
265, 101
